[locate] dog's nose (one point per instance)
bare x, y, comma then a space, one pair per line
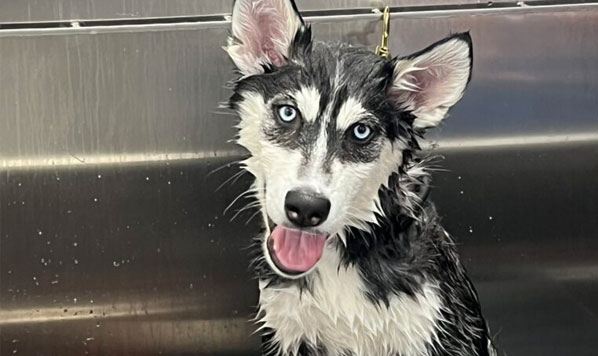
305, 208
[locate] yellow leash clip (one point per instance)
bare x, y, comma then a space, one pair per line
382, 50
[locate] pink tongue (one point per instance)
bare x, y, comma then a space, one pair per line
295, 250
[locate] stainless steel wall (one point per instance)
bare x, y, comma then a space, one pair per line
113, 232
65, 10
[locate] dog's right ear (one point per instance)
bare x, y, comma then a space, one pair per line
263, 32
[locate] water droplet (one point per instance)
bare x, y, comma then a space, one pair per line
459, 177
91, 301
9, 271
212, 241
115, 264
147, 178
39, 232
169, 89
158, 250
169, 183
19, 184
75, 244
210, 225
58, 179
54, 282
461, 192
190, 285
490, 218
470, 230
43, 260
99, 176
76, 261
95, 200
34, 278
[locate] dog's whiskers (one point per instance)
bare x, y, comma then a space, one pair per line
232, 179
253, 190
226, 165
245, 208
253, 216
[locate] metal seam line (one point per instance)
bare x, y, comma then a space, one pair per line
316, 17
123, 310
531, 140
110, 159
125, 158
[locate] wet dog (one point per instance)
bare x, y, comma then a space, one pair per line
353, 260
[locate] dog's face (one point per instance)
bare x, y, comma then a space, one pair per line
327, 124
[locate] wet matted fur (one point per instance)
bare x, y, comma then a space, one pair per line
345, 123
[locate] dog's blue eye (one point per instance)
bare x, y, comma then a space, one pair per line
362, 132
287, 113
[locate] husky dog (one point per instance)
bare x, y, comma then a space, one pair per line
353, 260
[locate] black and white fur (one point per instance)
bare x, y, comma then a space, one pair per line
389, 281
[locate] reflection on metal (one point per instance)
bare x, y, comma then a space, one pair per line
81, 312
115, 171
60, 10
461, 143
101, 160
529, 140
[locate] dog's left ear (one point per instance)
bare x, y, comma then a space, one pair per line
263, 32
430, 82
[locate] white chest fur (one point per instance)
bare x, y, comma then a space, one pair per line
337, 315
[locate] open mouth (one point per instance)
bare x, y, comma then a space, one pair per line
295, 251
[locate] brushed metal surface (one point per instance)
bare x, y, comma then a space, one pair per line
61, 10
123, 259
106, 98
64, 10
113, 237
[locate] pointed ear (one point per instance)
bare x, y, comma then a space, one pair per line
430, 82
262, 33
